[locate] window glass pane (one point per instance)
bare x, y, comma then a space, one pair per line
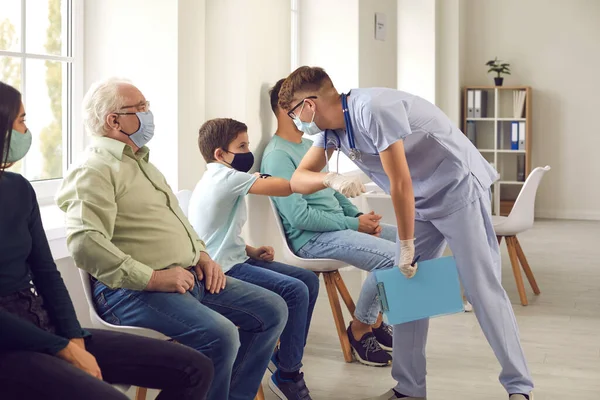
45, 100
10, 71
10, 25
46, 27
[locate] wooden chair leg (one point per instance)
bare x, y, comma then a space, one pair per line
338, 317
514, 261
526, 268
261, 393
341, 287
140, 393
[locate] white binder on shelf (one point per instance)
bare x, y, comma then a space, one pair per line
518, 103
514, 136
470, 104
522, 133
480, 104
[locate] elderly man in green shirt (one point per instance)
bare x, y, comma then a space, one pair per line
149, 267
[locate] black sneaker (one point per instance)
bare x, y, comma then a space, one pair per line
384, 335
292, 389
368, 351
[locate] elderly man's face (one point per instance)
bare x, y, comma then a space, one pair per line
134, 102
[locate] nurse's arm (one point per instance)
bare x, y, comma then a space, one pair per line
395, 166
308, 177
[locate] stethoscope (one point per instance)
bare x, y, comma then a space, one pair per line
354, 153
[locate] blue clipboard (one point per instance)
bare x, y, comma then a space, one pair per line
433, 291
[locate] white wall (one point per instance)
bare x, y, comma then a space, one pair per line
554, 47
447, 58
137, 39
191, 94
416, 47
329, 38
242, 64
377, 64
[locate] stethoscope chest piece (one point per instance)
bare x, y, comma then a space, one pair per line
354, 155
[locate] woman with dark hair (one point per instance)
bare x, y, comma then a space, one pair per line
44, 352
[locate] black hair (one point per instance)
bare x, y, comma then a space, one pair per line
10, 104
274, 93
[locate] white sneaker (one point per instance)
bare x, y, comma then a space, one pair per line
520, 397
468, 306
390, 395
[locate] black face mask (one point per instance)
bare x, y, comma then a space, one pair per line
241, 161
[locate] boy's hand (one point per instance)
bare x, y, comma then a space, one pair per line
212, 273
263, 253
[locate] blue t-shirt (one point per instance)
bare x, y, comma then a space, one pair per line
217, 211
447, 171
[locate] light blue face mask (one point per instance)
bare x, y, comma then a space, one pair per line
145, 132
19, 145
310, 128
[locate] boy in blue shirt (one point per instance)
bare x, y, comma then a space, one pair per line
217, 211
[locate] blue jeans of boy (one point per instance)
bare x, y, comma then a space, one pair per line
299, 288
363, 251
237, 328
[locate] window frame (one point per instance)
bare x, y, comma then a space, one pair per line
73, 138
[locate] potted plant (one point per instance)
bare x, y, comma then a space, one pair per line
500, 68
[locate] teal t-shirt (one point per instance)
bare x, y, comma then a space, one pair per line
217, 211
303, 216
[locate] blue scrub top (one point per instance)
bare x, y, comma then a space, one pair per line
447, 171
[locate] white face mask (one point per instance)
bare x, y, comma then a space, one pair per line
310, 128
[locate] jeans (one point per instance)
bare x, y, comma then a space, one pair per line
178, 371
363, 251
299, 288
237, 328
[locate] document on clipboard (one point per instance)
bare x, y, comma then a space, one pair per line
433, 291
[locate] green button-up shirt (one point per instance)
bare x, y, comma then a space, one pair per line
123, 220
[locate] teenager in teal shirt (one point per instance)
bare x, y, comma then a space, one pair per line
326, 224
217, 211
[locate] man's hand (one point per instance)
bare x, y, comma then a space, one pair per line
263, 253
175, 279
377, 231
77, 356
407, 255
212, 273
349, 186
369, 223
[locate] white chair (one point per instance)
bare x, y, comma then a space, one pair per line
99, 323
519, 220
333, 283
184, 196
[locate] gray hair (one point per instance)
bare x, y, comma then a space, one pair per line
101, 99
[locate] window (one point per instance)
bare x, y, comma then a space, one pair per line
37, 50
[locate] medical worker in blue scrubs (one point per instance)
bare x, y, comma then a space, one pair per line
440, 188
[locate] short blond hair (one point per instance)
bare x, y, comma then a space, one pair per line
304, 79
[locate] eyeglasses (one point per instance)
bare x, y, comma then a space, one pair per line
143, 106
291, 113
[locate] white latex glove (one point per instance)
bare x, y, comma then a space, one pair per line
349, 186
407, 255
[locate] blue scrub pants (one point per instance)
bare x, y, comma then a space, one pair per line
472, 239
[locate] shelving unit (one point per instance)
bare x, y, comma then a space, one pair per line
492, 139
